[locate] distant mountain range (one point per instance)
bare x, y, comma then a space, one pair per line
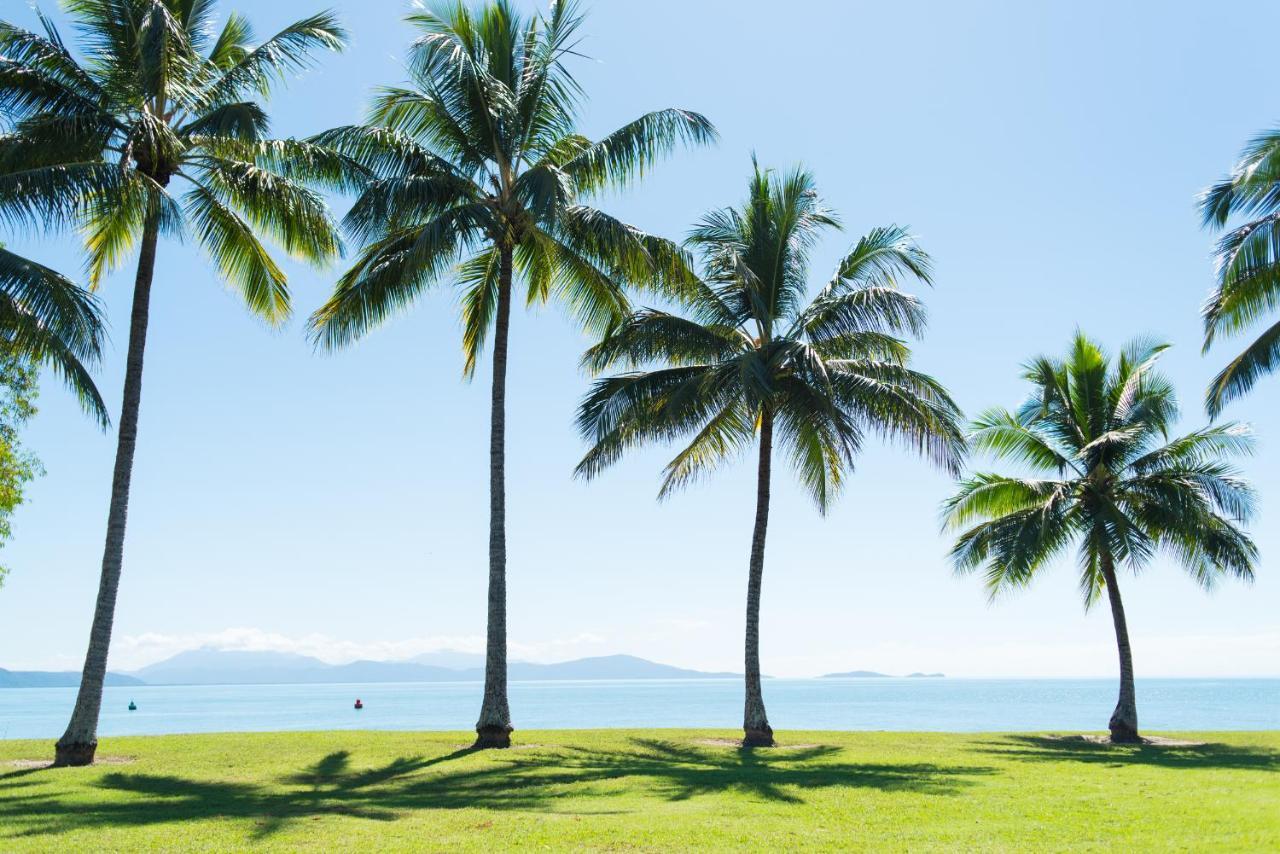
48, 679
871, 674
221, 667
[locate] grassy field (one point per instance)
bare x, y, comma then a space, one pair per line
654, 789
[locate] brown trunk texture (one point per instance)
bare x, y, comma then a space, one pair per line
493, 729
80, 742
755, 722
1124, 720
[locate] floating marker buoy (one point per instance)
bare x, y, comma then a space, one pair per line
133, 707
359, 705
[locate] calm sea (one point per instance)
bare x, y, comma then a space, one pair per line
956, 705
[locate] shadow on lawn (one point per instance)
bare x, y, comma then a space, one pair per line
1041, 748
529, 780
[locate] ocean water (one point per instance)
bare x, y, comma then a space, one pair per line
954, 705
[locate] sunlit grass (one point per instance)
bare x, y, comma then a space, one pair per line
651, 789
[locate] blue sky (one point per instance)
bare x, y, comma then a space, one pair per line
1047, 155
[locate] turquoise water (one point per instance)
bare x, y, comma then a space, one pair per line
955, 705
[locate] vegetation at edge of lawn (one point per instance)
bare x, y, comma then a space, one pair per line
647, 788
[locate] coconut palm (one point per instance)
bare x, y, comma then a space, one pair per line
751, 358
46, 319
1248, 262
479, 178
158, 101
1105, 477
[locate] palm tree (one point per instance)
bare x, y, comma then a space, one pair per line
159, 99
1106, 477
477, 161
46, 319
752, 359
1248, 262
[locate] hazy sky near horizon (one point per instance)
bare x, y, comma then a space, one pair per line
1047, 155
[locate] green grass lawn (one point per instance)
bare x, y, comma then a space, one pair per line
651, 789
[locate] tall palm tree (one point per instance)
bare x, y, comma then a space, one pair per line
1106, 477
752, 358
477, 160
158, 99
48, 320
1248, 262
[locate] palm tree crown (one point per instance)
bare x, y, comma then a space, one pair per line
1248, 262
1106, 476
827, 371
159, 95
1103, 475
478, 159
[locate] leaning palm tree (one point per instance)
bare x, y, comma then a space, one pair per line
157, 100
477, 176
1248, 262
1105, 476
46, 319
753, 358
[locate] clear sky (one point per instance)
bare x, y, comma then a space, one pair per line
1047, 155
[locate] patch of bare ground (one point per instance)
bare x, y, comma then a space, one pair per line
504, 749
737, 742
1152, 740
27, 764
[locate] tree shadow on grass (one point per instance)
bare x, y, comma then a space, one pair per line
1045, 748
543, 780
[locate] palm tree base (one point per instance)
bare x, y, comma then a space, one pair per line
74, 755
1124, 720
492, 737
758, 737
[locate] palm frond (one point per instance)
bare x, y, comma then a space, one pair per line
901, 405
478, 277
50, 320
626, 154
287, 53
1253, 186
651, 336
625, 411
290, 214
726, 435
239, 256
112, 224
1248, 274
390, 273
1016, 437
1258, 359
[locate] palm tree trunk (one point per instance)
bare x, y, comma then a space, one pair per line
1124, 720
80, 742
755, 723
494, 727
